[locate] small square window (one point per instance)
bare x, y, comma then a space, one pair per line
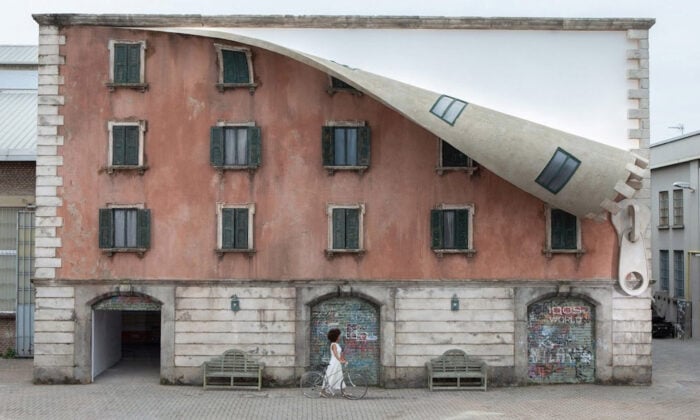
345, 227
125, 229
451, 159
563, 233
235, 68
451, 229
235, 227
126, 146
235, 147
345, 147
127, 64
448, 108
558, 172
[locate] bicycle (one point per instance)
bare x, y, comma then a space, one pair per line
353, 385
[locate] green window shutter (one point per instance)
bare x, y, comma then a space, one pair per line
118, 145
228, 228
120, 63
352, 228
134, 63
436, 227
363, 146
131, 142
216, 146
254, 147
143, 228
106, 229
235, 67
327, 145
339, 229
241, 229
462, 229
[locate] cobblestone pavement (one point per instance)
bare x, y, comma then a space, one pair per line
122, 393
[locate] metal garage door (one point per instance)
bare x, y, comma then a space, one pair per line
358, 321
561, 342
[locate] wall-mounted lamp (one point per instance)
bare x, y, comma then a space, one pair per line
455, 303
683, 186
235, 304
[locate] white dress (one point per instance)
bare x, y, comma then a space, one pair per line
334, 372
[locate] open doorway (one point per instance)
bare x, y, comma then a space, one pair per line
126, 336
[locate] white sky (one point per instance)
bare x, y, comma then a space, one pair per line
674, 43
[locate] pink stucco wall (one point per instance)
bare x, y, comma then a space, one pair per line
290, 189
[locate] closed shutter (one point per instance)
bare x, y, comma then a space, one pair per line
327, 145
228, 231
120, 63
216, 146
254, 147
131, 145
338, 228
143, 228
352, 228
106, 229
134, 63
118, 145
436, 227
461, 229
235, 67
363, 146
241, 230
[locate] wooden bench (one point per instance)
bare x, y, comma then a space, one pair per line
233, 369
455, 370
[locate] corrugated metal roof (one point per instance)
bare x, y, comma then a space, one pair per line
19, 54
18, 120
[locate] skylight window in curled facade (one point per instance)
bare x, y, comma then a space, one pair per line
448, 108
558, 171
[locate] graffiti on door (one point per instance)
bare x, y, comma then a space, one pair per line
358, 321
561, 344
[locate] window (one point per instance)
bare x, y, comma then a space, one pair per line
345, 226
235, 146
451, 229
235, 227
345, 146
337, 85
663, 209
563, 233
678, 274
126, 144
127, 64
677, 209
125, 228
235, 67
451, 159
8, 258
448, 109
663, 270
558, 171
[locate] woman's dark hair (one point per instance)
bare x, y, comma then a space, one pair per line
333, 335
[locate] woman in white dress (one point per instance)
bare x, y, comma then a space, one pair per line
334, 373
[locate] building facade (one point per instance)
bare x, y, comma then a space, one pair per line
676, 238
18, 127
217, 191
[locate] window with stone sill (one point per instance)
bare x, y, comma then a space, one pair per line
345, 229
125, 228
234, 231
235, 68
345, 145
127, 65
451, 229
563, 233
126, 146
336, 85
451, 159
235, 146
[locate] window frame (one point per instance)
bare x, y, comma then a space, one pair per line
141, 84
663, 210
334, 88
440, 168
548, 251
434, 109
251, 167
664, 270
470, 251
221, 85
220, 250
141, 167
328, 146
551, 174
678, 209
139, 250
330, 250
679, 274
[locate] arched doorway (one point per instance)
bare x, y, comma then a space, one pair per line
561, 341
126, 328
358, 321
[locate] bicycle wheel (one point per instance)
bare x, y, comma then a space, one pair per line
354, 386
311, 384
